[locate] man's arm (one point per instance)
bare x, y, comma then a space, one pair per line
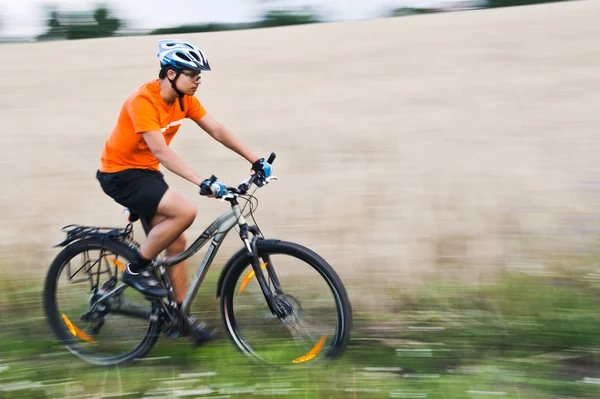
167, 157
224, 136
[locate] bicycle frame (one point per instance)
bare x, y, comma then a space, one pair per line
218, 231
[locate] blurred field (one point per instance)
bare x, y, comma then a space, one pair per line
440, 145
420, 156
521, 337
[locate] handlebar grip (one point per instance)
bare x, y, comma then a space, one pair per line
271, 158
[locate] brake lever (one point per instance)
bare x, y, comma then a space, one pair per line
265, 180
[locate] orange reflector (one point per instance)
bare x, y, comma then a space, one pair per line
313, 352
248, 278
116, 262
76, 331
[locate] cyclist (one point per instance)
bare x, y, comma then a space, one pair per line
129, 171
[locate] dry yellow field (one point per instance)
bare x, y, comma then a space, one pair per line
406, 147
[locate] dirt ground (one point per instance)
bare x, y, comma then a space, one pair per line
406, 147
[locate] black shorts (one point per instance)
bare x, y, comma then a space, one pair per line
137, 189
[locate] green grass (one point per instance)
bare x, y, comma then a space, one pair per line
521, 337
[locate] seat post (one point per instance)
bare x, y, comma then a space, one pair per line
133, 217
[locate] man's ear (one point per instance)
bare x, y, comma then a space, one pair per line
171, 74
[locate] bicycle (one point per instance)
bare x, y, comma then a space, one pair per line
258, 287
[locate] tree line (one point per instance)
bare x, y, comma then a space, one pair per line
101, 23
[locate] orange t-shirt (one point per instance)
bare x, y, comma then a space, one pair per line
145, 111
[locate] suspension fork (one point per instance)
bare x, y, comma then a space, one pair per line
270, 268
276, 304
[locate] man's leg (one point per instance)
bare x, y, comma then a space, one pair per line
178, 274
173, 216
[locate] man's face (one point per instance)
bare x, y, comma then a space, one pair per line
188, 81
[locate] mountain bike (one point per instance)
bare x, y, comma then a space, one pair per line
280, 302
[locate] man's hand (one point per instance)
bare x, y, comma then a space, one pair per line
212, 188
262, 167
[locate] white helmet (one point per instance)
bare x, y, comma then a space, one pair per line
182, 55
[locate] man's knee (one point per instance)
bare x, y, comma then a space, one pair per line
190, 212
174, 205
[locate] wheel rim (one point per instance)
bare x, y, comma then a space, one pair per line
311, 331
95, 330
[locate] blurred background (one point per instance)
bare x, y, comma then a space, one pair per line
441, 155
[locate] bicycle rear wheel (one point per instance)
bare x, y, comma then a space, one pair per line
104, 332
317, 321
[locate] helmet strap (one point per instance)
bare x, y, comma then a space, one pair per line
174, 86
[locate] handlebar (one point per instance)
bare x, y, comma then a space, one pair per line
243, 188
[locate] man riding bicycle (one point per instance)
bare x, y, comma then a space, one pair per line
139, 143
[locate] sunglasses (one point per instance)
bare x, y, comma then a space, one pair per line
196, 77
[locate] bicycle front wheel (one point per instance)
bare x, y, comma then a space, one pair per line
104, 332
316, 319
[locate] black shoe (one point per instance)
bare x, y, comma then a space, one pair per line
199, 332
144, 282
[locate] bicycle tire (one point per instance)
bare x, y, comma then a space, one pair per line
56, 321
282, 248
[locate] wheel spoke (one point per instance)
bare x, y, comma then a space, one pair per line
128, 308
